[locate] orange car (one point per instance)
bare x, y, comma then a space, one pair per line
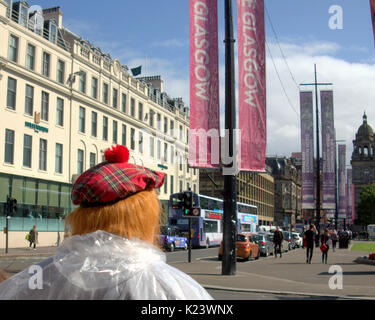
246, 247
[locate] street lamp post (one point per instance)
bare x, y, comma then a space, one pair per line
316, 84
230, 181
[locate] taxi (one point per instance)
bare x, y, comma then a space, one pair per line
246, 245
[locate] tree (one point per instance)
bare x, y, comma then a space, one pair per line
366, 207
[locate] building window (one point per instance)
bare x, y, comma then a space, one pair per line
80, 161
152, 118
114, 131
180, 163
94, 124
94, 88
158, 150
172, 184
158, 121
23, 12
30, 57
43, 155
92, 159
29, 100
60, 112
181, 133
171, 128
132, 107
46, 64
151, 145
172, 154
13, 48
195, 188
181, 186
11, 93
123, 102
114, 98
105, 128
105, 93
45, 106
27, 150
82, 119
140, 142
132, 139
82, 82
9, 146
59, 158
165, 152
165, 125
140, 111
60, 71
123, 138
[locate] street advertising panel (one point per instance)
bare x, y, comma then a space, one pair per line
307, 148
252, 85
328, 150
204, 138
342, 182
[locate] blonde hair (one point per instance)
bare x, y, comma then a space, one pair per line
137, 216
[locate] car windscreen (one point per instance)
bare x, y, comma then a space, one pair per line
241, 238
164, 230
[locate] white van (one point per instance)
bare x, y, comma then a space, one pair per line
371, 230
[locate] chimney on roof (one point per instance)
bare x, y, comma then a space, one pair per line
54, 13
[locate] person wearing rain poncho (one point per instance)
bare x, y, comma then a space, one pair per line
112, 252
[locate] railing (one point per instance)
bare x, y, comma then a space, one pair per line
96, 59
32, 26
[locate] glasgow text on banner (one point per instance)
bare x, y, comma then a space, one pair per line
307, 148
342, 182
328, 149
252, 84
204, 81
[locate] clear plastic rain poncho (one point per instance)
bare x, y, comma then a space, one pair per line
103, 266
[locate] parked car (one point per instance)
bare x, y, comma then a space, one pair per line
246, 247
171, 238
288, 238
265, 245
284, 243
297, 238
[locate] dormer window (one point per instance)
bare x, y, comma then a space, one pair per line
20, 12
9, 8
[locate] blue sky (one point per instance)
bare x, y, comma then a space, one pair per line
155, 34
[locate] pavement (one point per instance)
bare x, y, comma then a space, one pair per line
286, 276
290, 275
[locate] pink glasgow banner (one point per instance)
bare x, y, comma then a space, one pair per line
342, 201
204, 137
251, 84
307, 149
328, 150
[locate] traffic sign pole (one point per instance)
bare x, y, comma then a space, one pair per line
189, 255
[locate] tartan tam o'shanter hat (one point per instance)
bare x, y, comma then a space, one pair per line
113, 180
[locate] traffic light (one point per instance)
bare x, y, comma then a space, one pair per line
11, 206
188, 209
305, 221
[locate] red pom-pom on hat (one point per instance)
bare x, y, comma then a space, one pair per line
117, 154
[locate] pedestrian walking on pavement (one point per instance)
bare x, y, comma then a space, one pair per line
324, 246
278, 238
309, 240
112, 252
334, 239
33, 237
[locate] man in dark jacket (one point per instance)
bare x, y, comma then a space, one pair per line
309, 237
278, 238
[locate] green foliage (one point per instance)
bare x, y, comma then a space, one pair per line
366, 207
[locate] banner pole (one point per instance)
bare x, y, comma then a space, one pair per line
230, 180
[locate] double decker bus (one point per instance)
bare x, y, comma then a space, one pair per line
207, 229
